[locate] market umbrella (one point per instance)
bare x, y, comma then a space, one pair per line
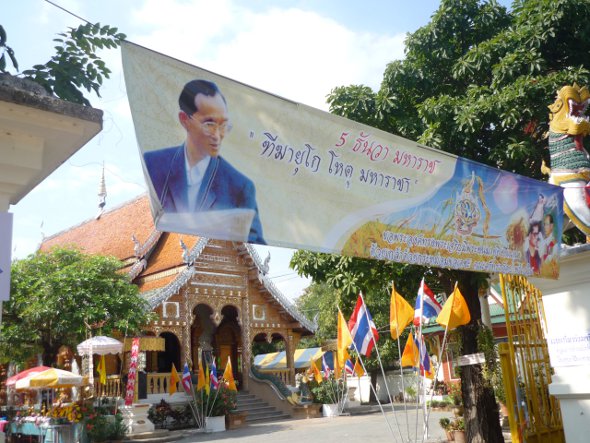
11, 381
51, 378
100, 345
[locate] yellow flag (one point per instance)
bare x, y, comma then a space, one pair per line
316, 372
410, 356
358, 369
337, 368
401, 314
344, 340
455, 311
102, 370
228, 376
174, 378
207, 381
201, 377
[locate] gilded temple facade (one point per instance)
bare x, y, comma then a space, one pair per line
213, 299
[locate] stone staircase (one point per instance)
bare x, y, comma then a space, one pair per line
256, 410
156, 436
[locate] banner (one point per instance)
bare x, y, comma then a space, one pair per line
132, 374
5, 252
228, 161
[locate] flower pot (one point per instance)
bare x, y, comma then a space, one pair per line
215, 424
330, 410
459, 436
235, 420
450, 436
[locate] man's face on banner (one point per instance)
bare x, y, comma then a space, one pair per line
206, 127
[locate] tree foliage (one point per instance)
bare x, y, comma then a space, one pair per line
56, 295
75, 65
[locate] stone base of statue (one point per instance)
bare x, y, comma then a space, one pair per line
135, 417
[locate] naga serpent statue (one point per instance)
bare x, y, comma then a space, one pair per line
570, 163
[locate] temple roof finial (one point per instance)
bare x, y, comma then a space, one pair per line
102, 194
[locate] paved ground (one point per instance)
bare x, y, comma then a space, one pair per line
356, 428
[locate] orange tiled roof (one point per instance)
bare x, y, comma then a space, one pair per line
168, 252
111, 235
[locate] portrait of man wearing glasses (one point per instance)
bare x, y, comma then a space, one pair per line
193, 181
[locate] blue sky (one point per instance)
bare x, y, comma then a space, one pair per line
297, 49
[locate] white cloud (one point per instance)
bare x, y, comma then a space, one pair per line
297, 54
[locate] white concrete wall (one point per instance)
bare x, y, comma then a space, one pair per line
394, 384
567, 310
362, 389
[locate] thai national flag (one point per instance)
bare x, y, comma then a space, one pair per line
325, 367
362, 328
213, 375
426, 305
186, 379
425, 366
349, 367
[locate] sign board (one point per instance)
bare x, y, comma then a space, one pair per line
227, 161
471, 359
5, 252
572, 350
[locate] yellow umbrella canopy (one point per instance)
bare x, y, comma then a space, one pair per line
55, 378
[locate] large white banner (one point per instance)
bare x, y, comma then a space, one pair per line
5, 252
228, 161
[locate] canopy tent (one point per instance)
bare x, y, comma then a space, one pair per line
50, 378
11, 381
100, 345
302, 357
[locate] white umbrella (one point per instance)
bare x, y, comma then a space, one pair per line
100, 345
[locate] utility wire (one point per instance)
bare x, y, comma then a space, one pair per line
67, 11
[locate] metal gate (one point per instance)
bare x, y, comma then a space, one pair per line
534, 415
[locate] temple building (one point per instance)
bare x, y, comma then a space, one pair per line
213, 299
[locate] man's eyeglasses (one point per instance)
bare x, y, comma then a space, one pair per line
211, 127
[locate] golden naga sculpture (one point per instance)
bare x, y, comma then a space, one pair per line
570, 163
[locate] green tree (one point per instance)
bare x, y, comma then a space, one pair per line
337, 282
56, 295
75, 65
319, 302
476, 82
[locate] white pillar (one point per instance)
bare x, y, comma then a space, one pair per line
5, 252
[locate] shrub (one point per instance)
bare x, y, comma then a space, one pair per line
217, 402
327, 392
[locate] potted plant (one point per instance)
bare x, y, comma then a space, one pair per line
458, 427
328, 393
445, 423
216, 404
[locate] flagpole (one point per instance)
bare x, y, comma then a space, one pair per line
439, 363
401, 369
370, 384
381, 366
193, 406
421, 380
344, 390
374, 392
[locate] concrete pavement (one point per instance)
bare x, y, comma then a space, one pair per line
353, 428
